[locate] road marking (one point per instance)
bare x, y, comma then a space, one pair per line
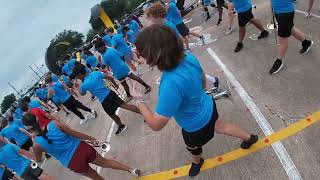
278, 147
239, 153
303, 12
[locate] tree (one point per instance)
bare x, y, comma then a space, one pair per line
63, 43
91, 33
115, 9
7, 102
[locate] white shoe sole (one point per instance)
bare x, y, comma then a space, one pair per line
308, 48
278, 69
122, 131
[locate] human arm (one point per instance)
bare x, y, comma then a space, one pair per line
64, 128
110, 78
26, 132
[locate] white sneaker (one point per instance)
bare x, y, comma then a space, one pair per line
229, 31
94, 113
82, 121
136, 172
307, 15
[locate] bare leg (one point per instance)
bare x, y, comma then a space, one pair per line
92, 174
257, 24
196, 158
186, 42
298, 34
116, 119
310, 6
138, 79
126, 87
242, 33
283, 47
130, 107
231, 129
107, 163
195, 34
230, 14
45, 176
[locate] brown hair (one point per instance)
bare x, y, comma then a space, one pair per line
157, 10
160, 46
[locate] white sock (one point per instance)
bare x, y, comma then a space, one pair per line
211, 78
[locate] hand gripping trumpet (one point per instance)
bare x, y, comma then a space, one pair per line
105, 146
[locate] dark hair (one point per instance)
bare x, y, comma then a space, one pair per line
79, 69
24, 106
31, 120
157, 10
125, 29
87, 52
67, 57
4, 123
110, 30
48, 79
160, 46
26, 99
99, 44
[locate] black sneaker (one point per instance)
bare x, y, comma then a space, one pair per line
276, 67
148, 89
208, 17
247, 144
306, 46
48, 156
121, 129
195, 168
213, 5
219, 22
239, 47
216, 83
263, 34
202, 39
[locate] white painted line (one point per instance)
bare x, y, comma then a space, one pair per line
303, 12
278, 147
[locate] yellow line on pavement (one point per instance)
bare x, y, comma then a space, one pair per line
239, 153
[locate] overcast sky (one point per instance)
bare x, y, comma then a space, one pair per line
26, 28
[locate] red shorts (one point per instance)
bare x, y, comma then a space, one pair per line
83, 155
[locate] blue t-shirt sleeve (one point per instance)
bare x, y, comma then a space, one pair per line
113, 42
169, 100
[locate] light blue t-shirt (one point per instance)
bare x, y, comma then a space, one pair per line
134, 26
12, 132
241, 5
181, 95
282, 6
62, 147
35, 104
119, 31
41, 93
112, 58
72, 63
10, 158
131, 37
55, 78
60, 95
206, 2
95, 84
172, 27
173, 13
66, 69
107, 39
18, 113
1, 172
120, 44
92, 61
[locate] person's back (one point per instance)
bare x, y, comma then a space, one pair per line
112, 58
172, 27
107, 39
241, 5
10, 157
92, 61
282, 6
95, 84
62, 146
35, 104
120, 44
41, 115
185, 97
173, 13
134, 26
12, 132
60, 95
71, 63
131, 37
66, 69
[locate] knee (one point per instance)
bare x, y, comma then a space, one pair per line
219, 127
195, 150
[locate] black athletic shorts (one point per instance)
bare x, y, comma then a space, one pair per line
32, 174
27, 145
285, 24
183, 30
220, 3
245, 17
111, 103
7, 174
204, 135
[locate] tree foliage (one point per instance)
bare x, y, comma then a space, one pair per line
63, 43
115, 10
7, 102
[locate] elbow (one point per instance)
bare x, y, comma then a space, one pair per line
156, 128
